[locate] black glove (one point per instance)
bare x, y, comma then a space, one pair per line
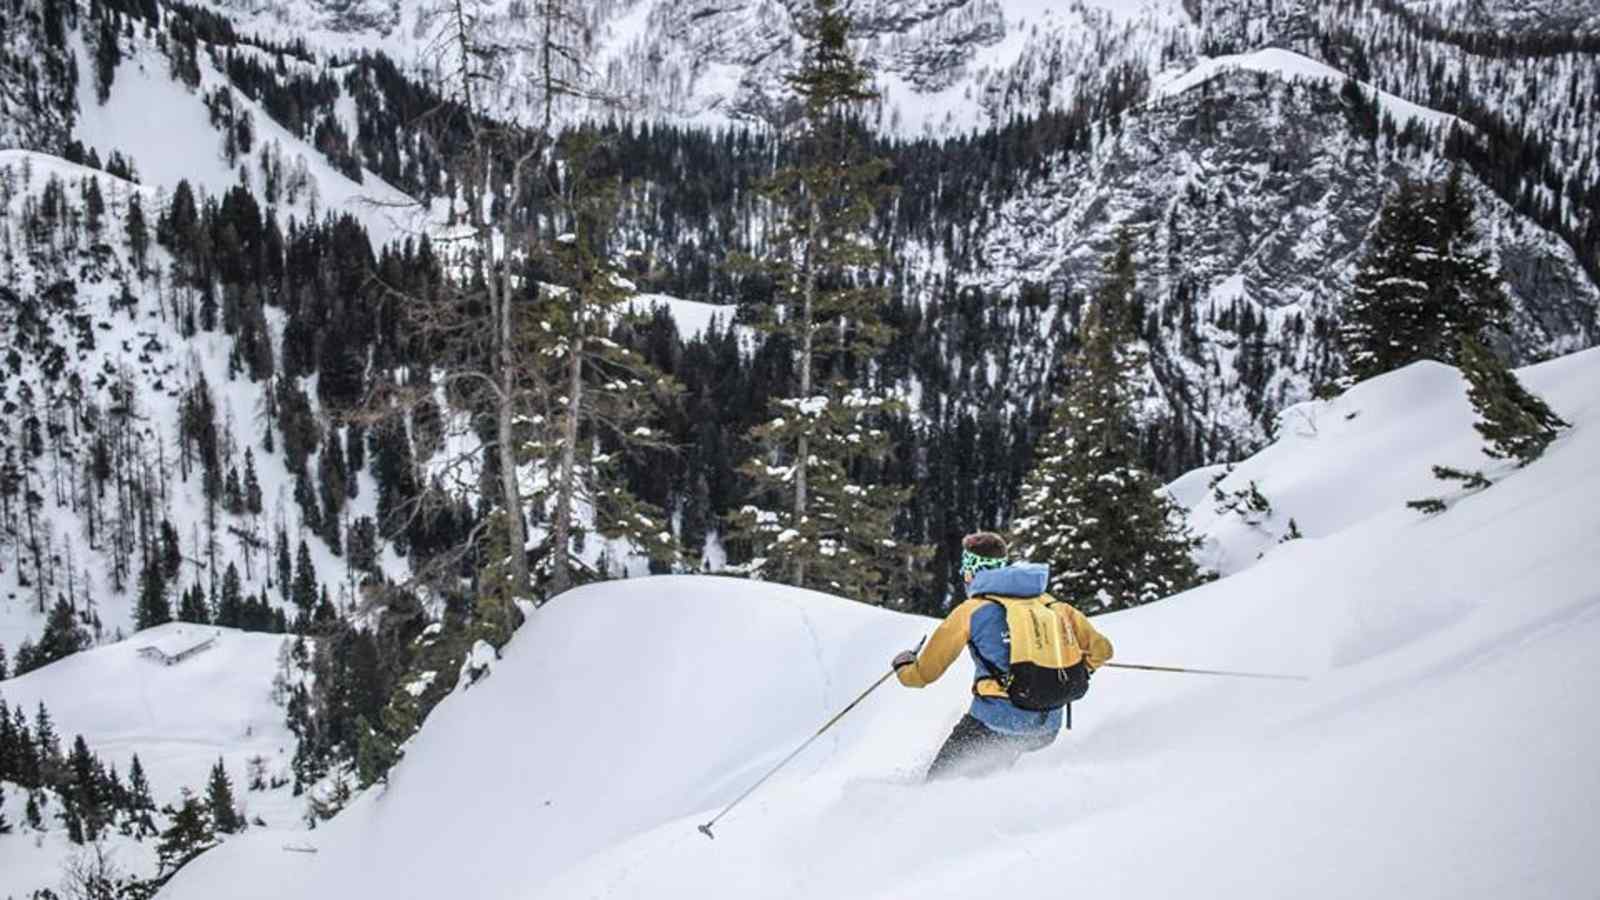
904, 658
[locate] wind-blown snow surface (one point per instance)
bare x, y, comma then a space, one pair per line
1328, 470
1443, 748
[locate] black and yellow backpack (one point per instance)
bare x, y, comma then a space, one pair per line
1048, 668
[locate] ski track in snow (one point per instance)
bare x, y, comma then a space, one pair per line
816, 652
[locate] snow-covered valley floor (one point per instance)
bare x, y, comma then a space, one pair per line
178, 719
1445, 745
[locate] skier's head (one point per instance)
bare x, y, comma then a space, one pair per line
979, 551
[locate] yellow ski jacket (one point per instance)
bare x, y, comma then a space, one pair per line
956, 632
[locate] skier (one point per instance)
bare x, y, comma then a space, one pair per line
1021, 687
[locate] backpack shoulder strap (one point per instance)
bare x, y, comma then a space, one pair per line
994, 670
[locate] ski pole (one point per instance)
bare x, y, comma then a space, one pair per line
706, 828
1207, 672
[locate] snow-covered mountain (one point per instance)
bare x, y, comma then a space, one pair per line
1410, 629
943, 65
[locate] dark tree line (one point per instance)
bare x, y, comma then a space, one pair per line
71, 787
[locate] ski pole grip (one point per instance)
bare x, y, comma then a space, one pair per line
914, 651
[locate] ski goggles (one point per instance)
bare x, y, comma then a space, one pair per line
972, 563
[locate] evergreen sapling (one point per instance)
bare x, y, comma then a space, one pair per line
1516, 423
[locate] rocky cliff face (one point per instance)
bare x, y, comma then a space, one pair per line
942, 65
1528, 16
1251, 200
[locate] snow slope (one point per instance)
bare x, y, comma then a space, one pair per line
178, 719
692, 317
1291, 66
1443, 748
1320, 471
143, 342
181, 143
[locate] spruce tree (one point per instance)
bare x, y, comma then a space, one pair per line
252, 487
138, 233
225, 816
141, 806
5, 827
332, 477
10, 752
50, 765
192, 607
25, 762
306, 498
73, 822
1516, 424
115, 793
825, 510
230, 608
94, 206
1111, 537
1467, 297
304, 592
86, 803
232, 492
171, 555
285, 566
48, 746
62, 636
1385, 324
189, 833
153, 609
363, 545
325, 616
4, 671
600, 386
355, 454
375, 753
1421, 288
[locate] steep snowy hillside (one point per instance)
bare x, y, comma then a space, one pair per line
104, 380
1439, 749
196, 138
1523, 74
